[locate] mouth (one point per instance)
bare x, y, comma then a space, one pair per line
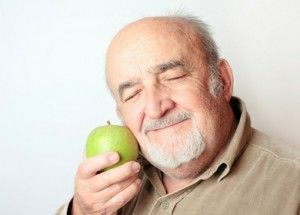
162, 127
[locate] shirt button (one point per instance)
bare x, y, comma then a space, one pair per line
164, 205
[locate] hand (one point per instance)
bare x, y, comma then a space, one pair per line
108, 191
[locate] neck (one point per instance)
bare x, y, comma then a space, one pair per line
173, 184
180, 177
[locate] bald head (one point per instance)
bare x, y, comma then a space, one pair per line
146, 27
142, 35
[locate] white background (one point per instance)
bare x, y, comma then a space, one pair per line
52, 89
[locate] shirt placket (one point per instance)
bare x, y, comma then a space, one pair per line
166, 205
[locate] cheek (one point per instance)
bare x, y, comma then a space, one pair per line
197, 99
191, 96
132, 117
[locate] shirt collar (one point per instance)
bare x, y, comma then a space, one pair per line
223, 163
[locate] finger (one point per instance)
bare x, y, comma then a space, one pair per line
114, 176
90, 166
120, 199
108, 193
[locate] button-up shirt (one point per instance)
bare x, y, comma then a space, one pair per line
254, 175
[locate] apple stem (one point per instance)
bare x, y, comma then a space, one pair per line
108, 122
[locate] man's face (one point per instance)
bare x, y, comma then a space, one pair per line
160, 82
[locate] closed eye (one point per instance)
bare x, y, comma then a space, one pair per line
175, 77
131, 96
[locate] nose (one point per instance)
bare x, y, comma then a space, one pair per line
158, 103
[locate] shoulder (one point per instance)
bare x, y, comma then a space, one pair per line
274, 149
271, 158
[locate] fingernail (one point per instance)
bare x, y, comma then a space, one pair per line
136, 167
114, 157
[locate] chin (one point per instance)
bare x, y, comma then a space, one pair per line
189, 169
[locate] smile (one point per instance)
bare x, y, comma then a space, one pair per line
165, 126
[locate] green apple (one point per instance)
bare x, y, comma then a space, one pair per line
112, 138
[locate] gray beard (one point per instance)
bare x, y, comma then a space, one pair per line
174, 150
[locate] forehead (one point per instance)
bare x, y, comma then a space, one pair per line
141, 47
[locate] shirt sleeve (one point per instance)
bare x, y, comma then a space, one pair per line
65, 209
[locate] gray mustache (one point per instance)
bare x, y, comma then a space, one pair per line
165, 121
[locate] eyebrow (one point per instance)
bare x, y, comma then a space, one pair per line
166, 66
160, 68
123, 86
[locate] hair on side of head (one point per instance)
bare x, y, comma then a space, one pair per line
209, 47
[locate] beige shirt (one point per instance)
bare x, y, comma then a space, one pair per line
253, 175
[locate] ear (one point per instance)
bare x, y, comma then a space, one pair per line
226, 76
